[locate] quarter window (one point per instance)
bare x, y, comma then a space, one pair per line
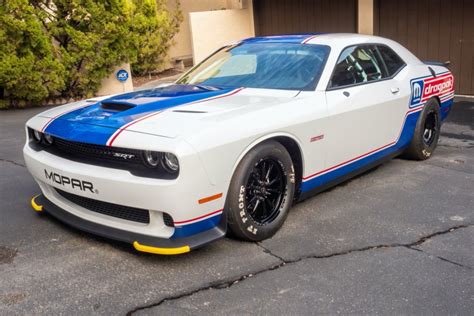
357, 64
392, 61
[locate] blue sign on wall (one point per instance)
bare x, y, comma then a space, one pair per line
122, 75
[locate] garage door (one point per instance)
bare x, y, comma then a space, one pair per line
433, 30
273, 17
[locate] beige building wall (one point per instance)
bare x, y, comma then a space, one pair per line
111, 85
213, 29
182, 40
366, 17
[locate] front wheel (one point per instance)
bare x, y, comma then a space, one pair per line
426, 134
261, 192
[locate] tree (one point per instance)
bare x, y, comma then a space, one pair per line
92, 37
154, 27
29, 67
67, 47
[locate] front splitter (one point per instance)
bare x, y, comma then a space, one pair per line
140, 242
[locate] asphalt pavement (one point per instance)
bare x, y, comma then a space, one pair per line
398, 239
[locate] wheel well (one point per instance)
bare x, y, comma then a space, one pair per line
437, 100
295, 153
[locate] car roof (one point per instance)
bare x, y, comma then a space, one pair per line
292, 38
337, 41
317, 38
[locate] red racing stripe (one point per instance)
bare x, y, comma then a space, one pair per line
419, 108
198, 218
216, 97
308, 39
61, 114
120, 130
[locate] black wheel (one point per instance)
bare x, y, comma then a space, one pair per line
426, 134
261, 192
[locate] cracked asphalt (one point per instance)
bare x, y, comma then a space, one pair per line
398, 239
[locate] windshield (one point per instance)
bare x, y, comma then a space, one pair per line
261, 65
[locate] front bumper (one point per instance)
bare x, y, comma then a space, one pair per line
196, 220
140, 242
181, 198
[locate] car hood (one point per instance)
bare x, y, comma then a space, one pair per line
167, 111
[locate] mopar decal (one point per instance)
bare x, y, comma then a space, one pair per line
71, 182
424, 88
417, 91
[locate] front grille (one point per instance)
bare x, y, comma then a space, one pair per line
124, 212
91, 151
103, 156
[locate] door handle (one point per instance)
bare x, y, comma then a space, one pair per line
394, 90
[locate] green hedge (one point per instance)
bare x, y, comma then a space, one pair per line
64, 48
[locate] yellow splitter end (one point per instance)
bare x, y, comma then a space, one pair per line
161, 251
36, 207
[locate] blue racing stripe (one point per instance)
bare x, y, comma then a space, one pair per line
95, 125
292, 38
195, 228
446, 108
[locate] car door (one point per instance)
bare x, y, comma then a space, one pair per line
366, 106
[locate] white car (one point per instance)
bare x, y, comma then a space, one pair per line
237, 140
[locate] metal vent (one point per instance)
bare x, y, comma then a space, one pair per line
168, 220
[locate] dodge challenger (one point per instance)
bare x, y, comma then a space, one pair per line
236, 141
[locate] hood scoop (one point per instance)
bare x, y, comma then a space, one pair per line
116, 106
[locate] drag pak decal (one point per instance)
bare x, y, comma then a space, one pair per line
426, 87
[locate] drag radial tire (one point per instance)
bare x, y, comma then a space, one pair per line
426, 134
261, 192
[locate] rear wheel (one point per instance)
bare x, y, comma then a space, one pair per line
261, 192
426, 134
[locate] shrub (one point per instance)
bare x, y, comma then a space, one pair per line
92, 37
154, 27
29, 67
65, 48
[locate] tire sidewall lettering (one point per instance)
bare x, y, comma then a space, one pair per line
244, 217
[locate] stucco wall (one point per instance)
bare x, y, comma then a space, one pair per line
182, 40
213, 29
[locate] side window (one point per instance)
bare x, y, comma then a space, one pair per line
392, 61
357, 64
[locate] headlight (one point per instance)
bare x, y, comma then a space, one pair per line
37, 136
152, 158
48, 139
170, 162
